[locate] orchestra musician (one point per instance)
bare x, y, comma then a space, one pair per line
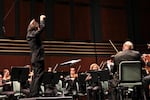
50, 87
71, 83
146, 59
108, 65
127, 54
26, 85
146, 78
6, 75
6, 80
107, 84
30, 75
93, 88
1, 80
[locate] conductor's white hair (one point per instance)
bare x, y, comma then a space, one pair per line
129, 43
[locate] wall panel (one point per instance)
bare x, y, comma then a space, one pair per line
39, 10
114, 3
62, 22
144, 26
24, 17
82, 23
50, 61
144, 15
13, 60
9, 18
82, 1
114, 24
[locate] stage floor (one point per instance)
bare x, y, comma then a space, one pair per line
48, 98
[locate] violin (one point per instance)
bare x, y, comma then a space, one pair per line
74, 76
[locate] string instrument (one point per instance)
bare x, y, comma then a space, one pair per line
54, 69
113, 46
102, 65
78, 68
73, 76
146, 58
76, 74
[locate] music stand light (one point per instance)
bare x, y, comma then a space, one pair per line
71, 62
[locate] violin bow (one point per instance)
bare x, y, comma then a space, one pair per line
113, 46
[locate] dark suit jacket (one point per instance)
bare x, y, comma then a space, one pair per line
35, 43
127, 55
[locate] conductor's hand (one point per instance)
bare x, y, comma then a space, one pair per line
42, 17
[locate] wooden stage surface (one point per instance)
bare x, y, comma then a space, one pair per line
48, 98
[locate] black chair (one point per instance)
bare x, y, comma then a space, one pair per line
130, 80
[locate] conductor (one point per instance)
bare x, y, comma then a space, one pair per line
37, 51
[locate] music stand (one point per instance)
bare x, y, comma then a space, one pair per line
82, 77
82, 82
94, 75
49, 81
63, 73
103, 75
50, 78
19, 74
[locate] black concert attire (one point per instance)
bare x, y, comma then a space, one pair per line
7, 85
50, 90
146, 82
93, 89
106, 85
50, 79
125, 55
109, 66
71, 86
37, 59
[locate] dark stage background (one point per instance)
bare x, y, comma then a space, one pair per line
76, 29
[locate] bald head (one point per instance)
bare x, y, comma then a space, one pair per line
128, 45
